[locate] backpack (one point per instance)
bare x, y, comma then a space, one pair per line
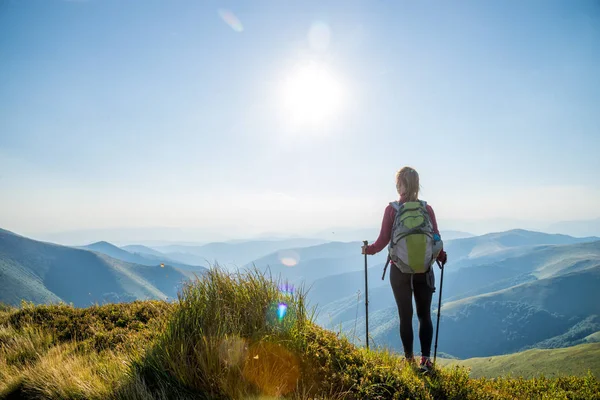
413, 248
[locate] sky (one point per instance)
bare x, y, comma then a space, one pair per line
237, 118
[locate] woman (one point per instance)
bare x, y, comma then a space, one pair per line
405, 284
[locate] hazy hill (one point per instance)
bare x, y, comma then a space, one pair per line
502, 244
144, 250
340, 286
118, 253
311, 263
44, 272
452, 235
138, 258
231, 254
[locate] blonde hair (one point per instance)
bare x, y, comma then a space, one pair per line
409, 178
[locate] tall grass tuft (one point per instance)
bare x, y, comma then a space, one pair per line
231, 336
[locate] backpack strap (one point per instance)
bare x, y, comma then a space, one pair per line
396, 205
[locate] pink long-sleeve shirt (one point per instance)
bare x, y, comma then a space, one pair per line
386, 228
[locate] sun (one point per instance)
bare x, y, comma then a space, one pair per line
311, 95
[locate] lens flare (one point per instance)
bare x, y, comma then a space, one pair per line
319, 36
286, 289
272, 368
281, 310
289, 258
230, 19
232, 351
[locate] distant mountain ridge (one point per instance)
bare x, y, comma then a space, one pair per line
144, 250
231, 255
138, 258
461, 251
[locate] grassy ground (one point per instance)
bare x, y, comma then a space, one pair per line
230, 336
577, 360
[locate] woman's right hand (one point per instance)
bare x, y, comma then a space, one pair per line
363, 249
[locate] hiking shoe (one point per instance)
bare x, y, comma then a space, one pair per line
425, 366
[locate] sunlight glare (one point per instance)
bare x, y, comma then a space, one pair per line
311, 94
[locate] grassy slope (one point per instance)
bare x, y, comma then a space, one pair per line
593, 338
45, 273
17, 282
576, 360
212, 344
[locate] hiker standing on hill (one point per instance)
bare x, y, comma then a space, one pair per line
415, 245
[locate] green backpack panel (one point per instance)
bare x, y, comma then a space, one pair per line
412, 247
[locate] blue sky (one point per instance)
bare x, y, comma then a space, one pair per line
160, 114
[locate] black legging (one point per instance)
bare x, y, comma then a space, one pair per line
401, 285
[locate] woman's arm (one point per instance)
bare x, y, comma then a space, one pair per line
385, 234
433, 220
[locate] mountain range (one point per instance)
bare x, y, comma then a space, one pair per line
503, 292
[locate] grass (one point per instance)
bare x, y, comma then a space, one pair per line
229, 336
576, 360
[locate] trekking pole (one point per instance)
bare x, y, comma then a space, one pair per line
437, 327
366, 295
385, 268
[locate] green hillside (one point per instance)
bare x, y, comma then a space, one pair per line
46, 273
570, 361
226, 338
